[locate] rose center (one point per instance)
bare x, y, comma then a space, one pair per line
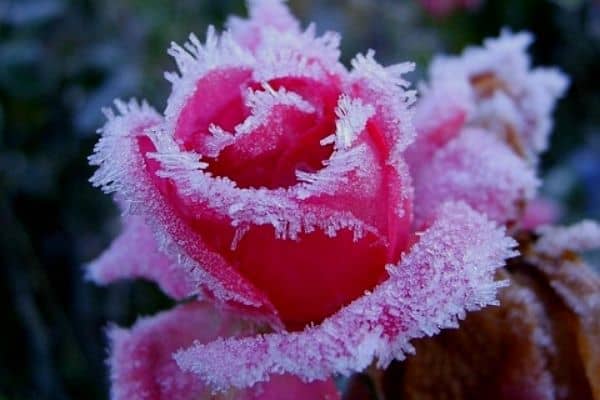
265, 143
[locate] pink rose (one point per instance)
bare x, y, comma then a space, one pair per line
281, 185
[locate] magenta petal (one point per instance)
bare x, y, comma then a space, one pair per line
135, 254
142, 366
448, 272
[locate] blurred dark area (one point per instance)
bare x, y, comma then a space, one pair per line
61, 61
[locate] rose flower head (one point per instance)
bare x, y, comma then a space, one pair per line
279, 185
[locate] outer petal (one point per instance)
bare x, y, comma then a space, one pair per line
142, 366
450, 270
479, 169
555, 241
135, 254
122, 168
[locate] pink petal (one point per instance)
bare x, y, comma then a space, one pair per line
479, 169
135, 254
122, 168
449, 271
142, 366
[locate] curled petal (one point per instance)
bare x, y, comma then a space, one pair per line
479, 169
448, 272
555, 241
135, 254
142, 367
123, 169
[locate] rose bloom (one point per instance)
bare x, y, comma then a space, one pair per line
297, 195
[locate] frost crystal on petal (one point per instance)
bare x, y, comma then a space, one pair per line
135, 254
298, 55
449, 271
386, 89
554, 241
513, 100
352, 116
142, 367
479, 169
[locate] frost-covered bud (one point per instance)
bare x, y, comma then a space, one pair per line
508, 97
482, 121
276, 184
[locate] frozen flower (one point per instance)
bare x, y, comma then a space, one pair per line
281, 185
482, 121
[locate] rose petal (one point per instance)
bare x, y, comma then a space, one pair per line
385, 89
135, 254
122, 168
478, 169
450, 270
273, 14
142, 366
582, 236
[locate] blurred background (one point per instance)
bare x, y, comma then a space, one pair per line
62, 60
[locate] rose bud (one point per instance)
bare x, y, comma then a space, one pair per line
280, 184
482, 121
